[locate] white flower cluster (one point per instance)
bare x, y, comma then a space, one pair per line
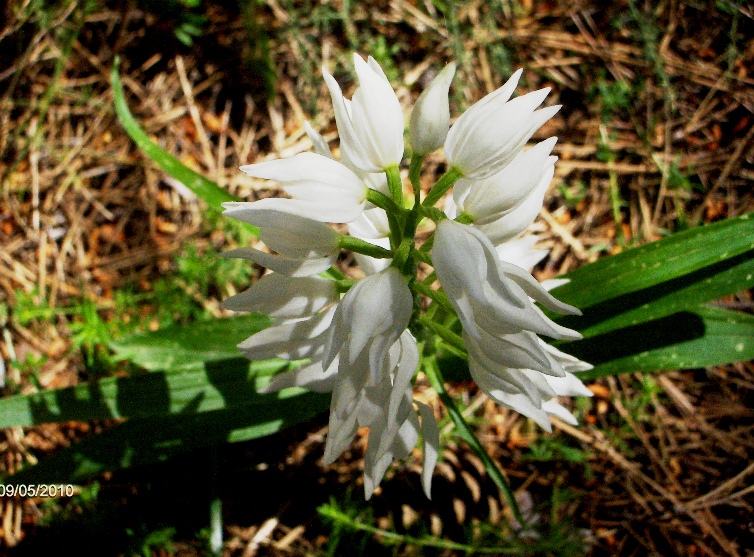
359, 347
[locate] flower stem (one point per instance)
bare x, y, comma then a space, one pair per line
445, 182
414, 171
436, 295
444, 333
361, 246
395, 184
436, 380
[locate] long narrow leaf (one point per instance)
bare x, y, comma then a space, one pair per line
672, 296
700, 337
206, 189
202, 371
659, 262
144, 441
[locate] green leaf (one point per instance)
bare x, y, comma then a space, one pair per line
202, 372
206, 189
145, 441
189, 346
660, 262
700, 337
672, 296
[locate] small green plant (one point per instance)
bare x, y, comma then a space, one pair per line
549, 449
573, 194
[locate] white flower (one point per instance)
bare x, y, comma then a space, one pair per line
376, 181
491, 133
295, 339
369, 319
384, 403
521, 252
515, 222
488, 294
372, 226
487, 200
430, 117
306, 247
323, 189
371, 132
280, 296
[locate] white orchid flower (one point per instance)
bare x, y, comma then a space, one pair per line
280, 296
491, 133
306, 247
376, 181
295, 339
521, 252
371, 132
369, 319
430, 117
487, 200
372, 226
488, 294
322, 189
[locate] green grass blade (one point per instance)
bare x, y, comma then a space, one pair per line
206, 189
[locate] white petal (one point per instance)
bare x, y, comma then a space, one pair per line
464, 126
372, 265
290, 266
570, 385
493, 197
552, 284
340, 209
308, 176
310, 376
430, 117
568, 362
277, 295
520, 350
431, 446
492, 132
533, 289
372, 224
523, 405
290, 340
517, 221
377, 117
554, 408
520, 252
318, 142
350, 143
372, 315
376, 68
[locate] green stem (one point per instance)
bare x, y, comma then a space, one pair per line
362, 246
436, 380
393, 211
445, 182
444, 333
344, 285
423, 257
436, 295
395, 184
414, 171
390, 537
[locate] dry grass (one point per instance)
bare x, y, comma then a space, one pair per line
656, 134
